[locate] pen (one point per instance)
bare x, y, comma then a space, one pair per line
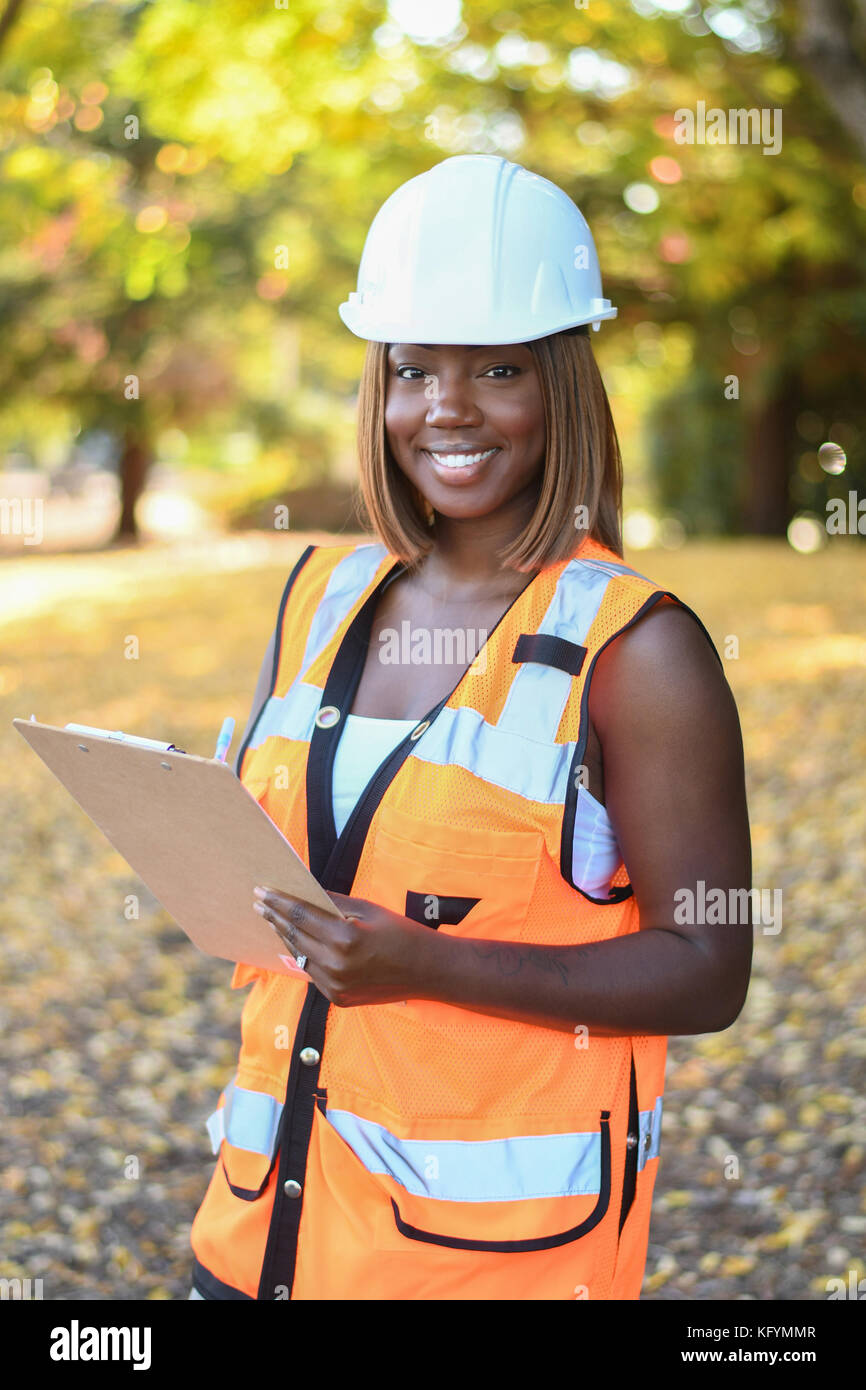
117, 736
224, 739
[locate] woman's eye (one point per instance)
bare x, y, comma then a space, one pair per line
502, 367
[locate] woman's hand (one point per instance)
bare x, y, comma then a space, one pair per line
374, 957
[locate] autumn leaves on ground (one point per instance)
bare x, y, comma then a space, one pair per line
119, 1035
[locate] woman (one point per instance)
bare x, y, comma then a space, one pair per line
506, 756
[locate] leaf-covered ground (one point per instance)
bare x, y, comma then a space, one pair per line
117, 1035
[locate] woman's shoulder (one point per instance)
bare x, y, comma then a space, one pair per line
663, 665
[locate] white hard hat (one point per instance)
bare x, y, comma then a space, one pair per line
477, 250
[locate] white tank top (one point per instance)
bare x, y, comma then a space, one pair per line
364, 744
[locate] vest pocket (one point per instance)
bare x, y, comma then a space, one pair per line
509, 1194
460, 879
527, 1243
244, 1131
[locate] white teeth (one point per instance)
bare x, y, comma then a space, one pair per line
460, 460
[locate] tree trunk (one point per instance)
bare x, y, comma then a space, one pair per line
134, 467
830, 45
764, 502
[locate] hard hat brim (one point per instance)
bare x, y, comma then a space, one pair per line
354, 319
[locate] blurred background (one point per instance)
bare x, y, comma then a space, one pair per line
185, 191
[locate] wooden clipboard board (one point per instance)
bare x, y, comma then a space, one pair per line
192, 832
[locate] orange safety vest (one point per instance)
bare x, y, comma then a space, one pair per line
418, 1150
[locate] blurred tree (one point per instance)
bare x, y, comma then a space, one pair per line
211, 177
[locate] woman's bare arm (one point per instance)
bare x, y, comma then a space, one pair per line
675, 794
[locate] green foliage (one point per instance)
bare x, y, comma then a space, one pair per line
211, 175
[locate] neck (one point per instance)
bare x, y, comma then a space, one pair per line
464, 558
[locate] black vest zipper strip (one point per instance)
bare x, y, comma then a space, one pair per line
296, 1124
343, 680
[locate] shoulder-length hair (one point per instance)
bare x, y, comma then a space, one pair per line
582, 462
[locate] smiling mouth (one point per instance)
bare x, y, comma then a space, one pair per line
457, 462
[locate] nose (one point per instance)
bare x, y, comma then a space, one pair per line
451, 400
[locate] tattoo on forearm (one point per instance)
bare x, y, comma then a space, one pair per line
511, 959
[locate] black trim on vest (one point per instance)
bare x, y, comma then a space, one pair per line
629, 1182
541, 1242
296, 1124
451, 910
548, 650
239, 763
616, 895
209, 1286
343, 680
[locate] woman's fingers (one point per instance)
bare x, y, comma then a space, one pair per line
288, 929
294, 913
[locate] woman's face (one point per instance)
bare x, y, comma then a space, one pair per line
457, 402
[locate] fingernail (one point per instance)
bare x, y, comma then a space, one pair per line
260, 892
258, 907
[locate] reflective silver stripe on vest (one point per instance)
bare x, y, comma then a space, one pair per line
535, 767
455, 1170
483, 1170
248, 1120
650, 1134
538, 694
536, 770
350, 578
291, 715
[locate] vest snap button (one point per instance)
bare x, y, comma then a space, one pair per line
292, 1188
416, 733
309, 1056
647, 1140
631, 1141
327, 716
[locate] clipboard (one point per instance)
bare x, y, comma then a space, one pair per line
191, 831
